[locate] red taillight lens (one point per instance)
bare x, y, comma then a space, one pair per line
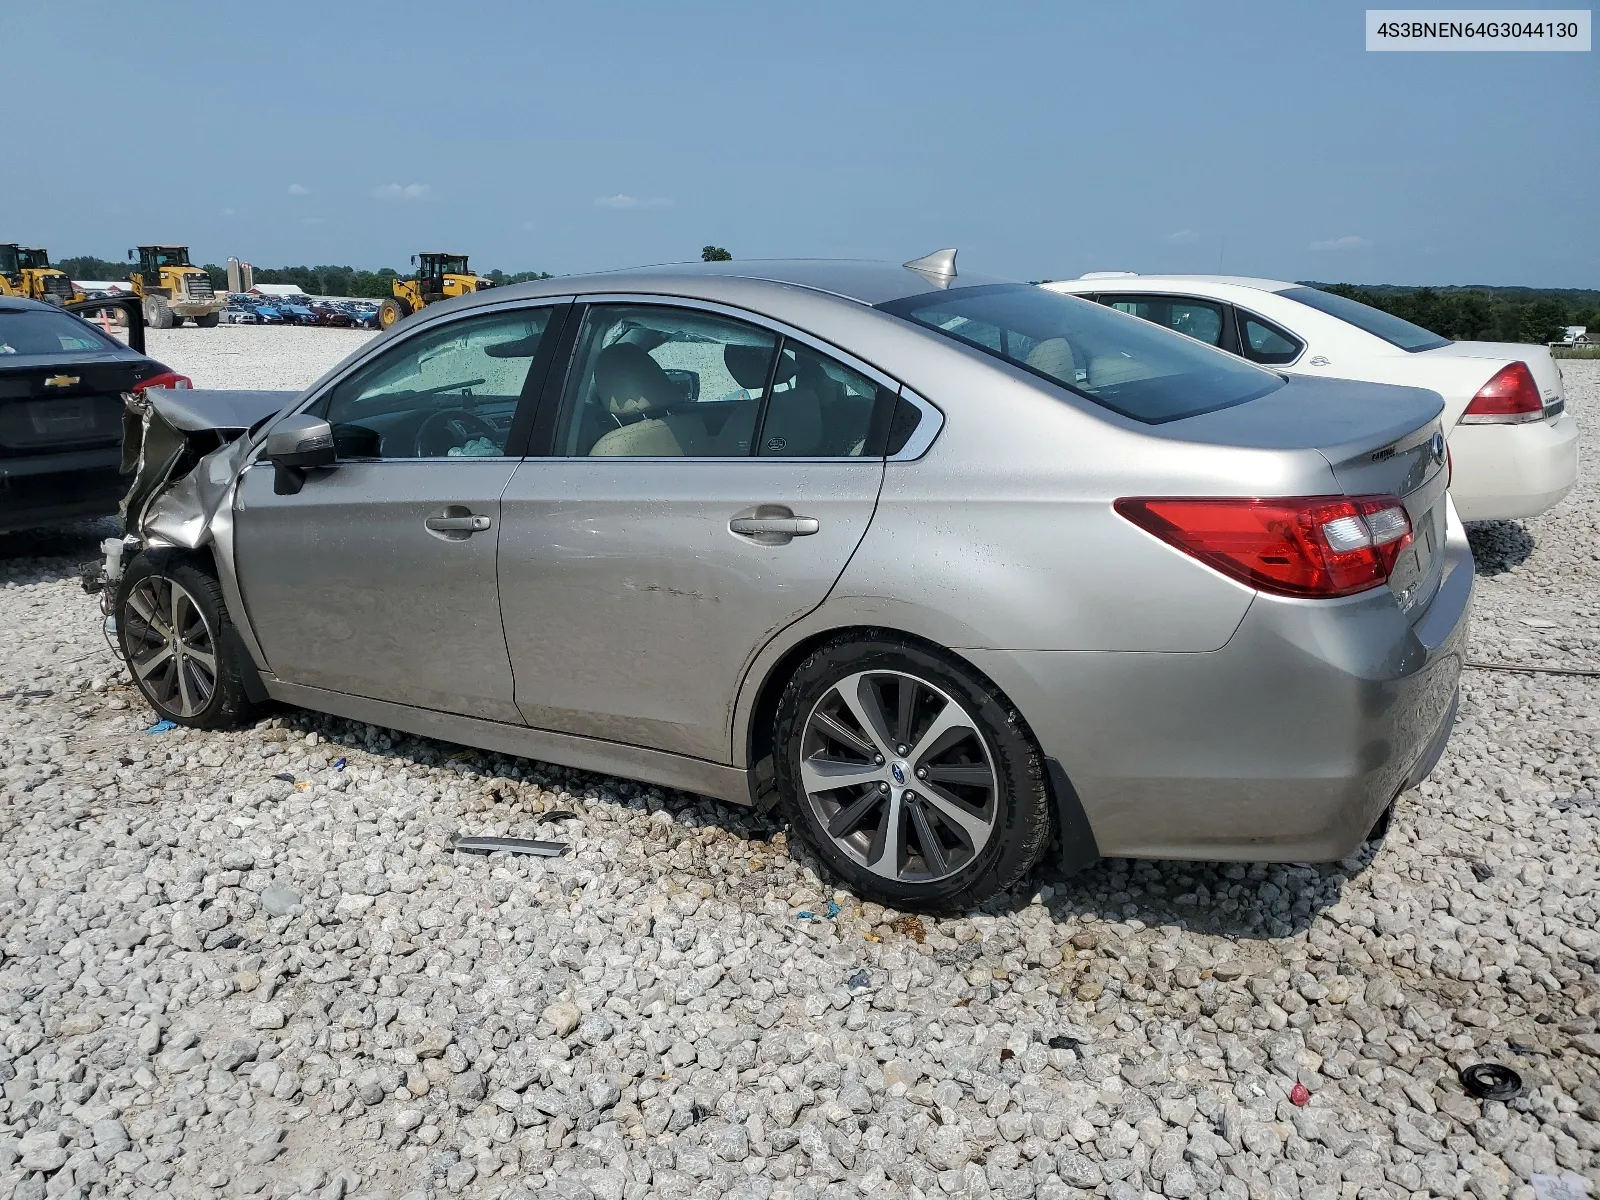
1308, 546
167, 379
1508, 399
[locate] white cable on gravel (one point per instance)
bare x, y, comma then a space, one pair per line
247, 964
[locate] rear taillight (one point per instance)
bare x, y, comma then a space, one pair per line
1510, 398
167, 379
1309, 546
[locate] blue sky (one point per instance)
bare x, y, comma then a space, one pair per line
1043, 140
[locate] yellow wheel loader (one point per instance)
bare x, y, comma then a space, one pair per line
439, 277
173, 289
28, 273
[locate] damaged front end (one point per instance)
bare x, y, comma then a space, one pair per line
184, 451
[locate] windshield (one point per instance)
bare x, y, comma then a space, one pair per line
8, 260
177, 256
57, 334
1375, 321
33, 260
1120, 362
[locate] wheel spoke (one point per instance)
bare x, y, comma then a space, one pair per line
933, 856
968, 774
862, 701
203, 658
186, 698
848, 819
906, 715
827, 774
888, 847
953, 811
840, 733
143, 666
177, 599
949, 721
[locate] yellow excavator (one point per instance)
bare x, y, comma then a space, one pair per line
174, 289
27, 272
439, 277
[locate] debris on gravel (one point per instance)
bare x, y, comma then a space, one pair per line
250, 965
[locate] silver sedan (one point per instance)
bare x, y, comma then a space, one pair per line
947, 568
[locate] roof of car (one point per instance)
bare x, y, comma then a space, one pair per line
20, 304
1132, 280
865, 281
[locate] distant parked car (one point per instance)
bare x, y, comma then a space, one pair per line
1514, 445
270, 315
62, 383
331, 315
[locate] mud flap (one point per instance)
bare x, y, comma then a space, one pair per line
1077, 848
249, 676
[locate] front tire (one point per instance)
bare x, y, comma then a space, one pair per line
392, 311
911, 776
208, 320
157, 314
176, 638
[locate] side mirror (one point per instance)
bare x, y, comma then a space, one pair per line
130, 255
295, 445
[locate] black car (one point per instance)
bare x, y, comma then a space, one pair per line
62, 383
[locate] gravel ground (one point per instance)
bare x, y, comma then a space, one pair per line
253, 356
248, 964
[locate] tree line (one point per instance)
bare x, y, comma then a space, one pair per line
314, 281
1482, 314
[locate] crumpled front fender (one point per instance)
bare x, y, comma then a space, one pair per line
184, 450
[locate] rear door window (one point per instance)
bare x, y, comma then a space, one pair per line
1203, 320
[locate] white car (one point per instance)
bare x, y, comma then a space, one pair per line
1513, 445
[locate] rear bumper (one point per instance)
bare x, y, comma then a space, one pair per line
1507, 472
1283, 746
46, 489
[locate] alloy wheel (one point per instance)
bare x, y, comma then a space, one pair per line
171, 647
899, 776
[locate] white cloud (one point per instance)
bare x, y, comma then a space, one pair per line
623, 201
1349, 242
299, 189
313, 220
228, 212
1183, 236
402, 191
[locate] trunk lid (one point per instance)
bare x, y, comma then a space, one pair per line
1542, 364
1379, 440
48, 406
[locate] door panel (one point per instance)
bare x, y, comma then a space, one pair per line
348, 588
632, 608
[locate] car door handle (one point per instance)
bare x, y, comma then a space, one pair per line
781, 526
472, 524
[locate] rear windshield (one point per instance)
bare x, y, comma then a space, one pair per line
1120, 362
57, 334
1363, 316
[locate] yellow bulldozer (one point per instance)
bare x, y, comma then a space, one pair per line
173, 289
27, 272
439, 277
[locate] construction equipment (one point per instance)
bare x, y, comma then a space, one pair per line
439, 277
28, 273
173, 288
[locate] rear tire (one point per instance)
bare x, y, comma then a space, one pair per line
906, 814
392, 311
178, 642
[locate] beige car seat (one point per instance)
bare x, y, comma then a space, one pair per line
632, 385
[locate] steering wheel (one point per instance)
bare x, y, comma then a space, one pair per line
450, 427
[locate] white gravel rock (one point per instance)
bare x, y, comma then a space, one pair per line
215, 981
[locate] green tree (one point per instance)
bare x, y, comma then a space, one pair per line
714, 254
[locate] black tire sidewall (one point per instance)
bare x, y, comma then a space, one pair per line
228, 704
1023, 826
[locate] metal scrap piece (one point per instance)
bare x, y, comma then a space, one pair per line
511, 845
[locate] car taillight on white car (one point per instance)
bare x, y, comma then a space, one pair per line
1312, 547
167, 379
1509, 398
